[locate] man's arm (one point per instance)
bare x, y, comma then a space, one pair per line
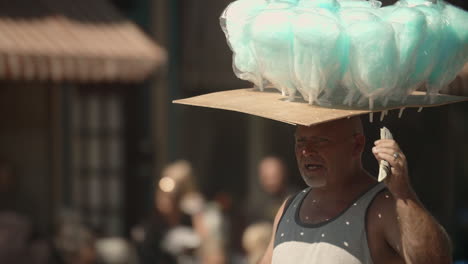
266, 259
423, 239
409, 228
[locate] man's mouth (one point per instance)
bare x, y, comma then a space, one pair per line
313, 167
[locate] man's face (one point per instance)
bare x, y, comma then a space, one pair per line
323, 151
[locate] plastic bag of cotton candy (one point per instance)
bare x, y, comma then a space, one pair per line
351, 52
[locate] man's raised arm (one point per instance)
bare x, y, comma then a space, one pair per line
410, 230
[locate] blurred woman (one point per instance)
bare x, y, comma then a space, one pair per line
168, 237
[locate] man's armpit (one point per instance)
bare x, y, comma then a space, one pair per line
383, 230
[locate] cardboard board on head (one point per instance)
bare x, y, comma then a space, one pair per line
272, 105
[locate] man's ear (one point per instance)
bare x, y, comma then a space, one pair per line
359, 144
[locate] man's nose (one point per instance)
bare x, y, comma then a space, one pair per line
308, 150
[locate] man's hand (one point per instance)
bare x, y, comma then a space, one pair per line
398, 182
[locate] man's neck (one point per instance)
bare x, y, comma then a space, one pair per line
345, 186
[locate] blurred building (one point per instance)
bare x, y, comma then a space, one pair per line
70, 76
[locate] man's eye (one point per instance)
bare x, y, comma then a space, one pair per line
300, 144
322, 141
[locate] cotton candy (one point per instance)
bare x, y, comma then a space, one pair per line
272, 41
349, 17
425, 56
410, 27
373, 58
318, 46
359, 4
448, 49
234, 21
328, 5
453, 50
351, 52
413, 3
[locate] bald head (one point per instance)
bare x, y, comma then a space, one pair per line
348, 126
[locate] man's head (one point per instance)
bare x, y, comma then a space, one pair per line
272, 174
328, 151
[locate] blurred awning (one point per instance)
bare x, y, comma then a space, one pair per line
77, 41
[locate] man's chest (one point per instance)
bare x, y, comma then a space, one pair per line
315, 211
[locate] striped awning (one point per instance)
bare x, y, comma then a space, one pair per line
77, 41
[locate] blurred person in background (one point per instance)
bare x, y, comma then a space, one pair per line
273, 178
212, 223
19, 244
75, 242
11, 200
115, 250
168, 236
255, 240
78, 244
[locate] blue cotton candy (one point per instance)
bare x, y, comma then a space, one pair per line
329, 5
359, 4
352, 52
272, 36
291, 2
425, 56
410, 27
413, 3
453, 49
349, 17
447, 52
354, 3
373, 58
318, 47
234, 21
458, 22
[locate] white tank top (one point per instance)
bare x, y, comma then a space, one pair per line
341, 240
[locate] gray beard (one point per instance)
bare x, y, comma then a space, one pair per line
314, 183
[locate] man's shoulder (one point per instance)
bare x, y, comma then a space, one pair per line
381, 224
293, 193
382, 201
288, 200
381, 216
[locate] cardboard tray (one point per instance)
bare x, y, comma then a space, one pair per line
271, 104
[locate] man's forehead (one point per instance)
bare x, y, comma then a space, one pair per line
334, 128
314, 131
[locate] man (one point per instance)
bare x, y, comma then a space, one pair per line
346, 216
